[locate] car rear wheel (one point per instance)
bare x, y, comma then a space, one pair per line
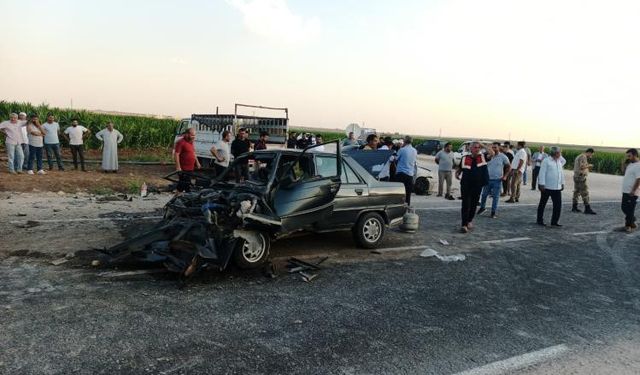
248, 257
421, 186
369, 230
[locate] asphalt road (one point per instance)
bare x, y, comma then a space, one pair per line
557, 296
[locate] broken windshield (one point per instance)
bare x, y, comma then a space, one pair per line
261, 167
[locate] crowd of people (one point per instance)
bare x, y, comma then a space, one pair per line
26, 139
483, 170
495, 170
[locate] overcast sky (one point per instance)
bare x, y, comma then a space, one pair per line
539, 70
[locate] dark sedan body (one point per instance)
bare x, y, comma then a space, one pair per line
287, 191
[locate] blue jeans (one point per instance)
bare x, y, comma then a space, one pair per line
493, 188
53, 149
35, 153
25, 153
15, 156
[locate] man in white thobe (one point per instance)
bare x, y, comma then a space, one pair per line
110, 137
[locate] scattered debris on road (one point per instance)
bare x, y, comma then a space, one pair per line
303, 268
428, 253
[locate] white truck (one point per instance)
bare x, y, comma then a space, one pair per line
209, 128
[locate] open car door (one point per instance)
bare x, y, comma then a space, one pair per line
303, 196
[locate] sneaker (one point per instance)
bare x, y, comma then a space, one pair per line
481, 210
13, 172
42, 172
510, 201
493, 215
634, 226
29, 171
470, 226
628, 229
464, 229
19, 172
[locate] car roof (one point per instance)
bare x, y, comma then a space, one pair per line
290, 151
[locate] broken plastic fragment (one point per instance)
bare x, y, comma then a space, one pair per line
427, 253
451, 258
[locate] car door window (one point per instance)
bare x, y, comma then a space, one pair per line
326, 166
348, 175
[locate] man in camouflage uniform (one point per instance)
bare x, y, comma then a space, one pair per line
581, 169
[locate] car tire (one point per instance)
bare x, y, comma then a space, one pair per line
369, 230
421, 186
245, 259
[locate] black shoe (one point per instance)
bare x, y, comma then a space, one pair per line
451, 198
589, 211
556, 225
575, 208
439, 195
510, 201
481, 210
493, 215
541, 223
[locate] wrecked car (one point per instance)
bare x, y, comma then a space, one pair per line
287, 191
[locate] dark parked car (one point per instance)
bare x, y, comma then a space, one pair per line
288, 191
430, 146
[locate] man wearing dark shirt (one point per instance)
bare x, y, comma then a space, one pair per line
186, 160
241, 145
475, 175
291, 142
261, 144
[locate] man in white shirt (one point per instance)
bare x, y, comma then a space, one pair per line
12, 130
551, 184
22, 116
631, 190
52, 142
75, 135
518, 165
221, 151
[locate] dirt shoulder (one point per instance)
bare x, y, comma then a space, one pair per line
128, 180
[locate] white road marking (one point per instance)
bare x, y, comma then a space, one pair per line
517, 239
502, 206
403, 248
130, 273
588, 233
89, 219
518, 362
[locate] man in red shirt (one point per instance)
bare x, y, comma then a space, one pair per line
186, 160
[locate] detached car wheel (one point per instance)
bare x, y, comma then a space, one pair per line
421, 187
369, 230
247, 257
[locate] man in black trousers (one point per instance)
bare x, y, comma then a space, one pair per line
551, 184
475, 175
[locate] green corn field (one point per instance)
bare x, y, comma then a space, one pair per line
139, 132
144, 133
